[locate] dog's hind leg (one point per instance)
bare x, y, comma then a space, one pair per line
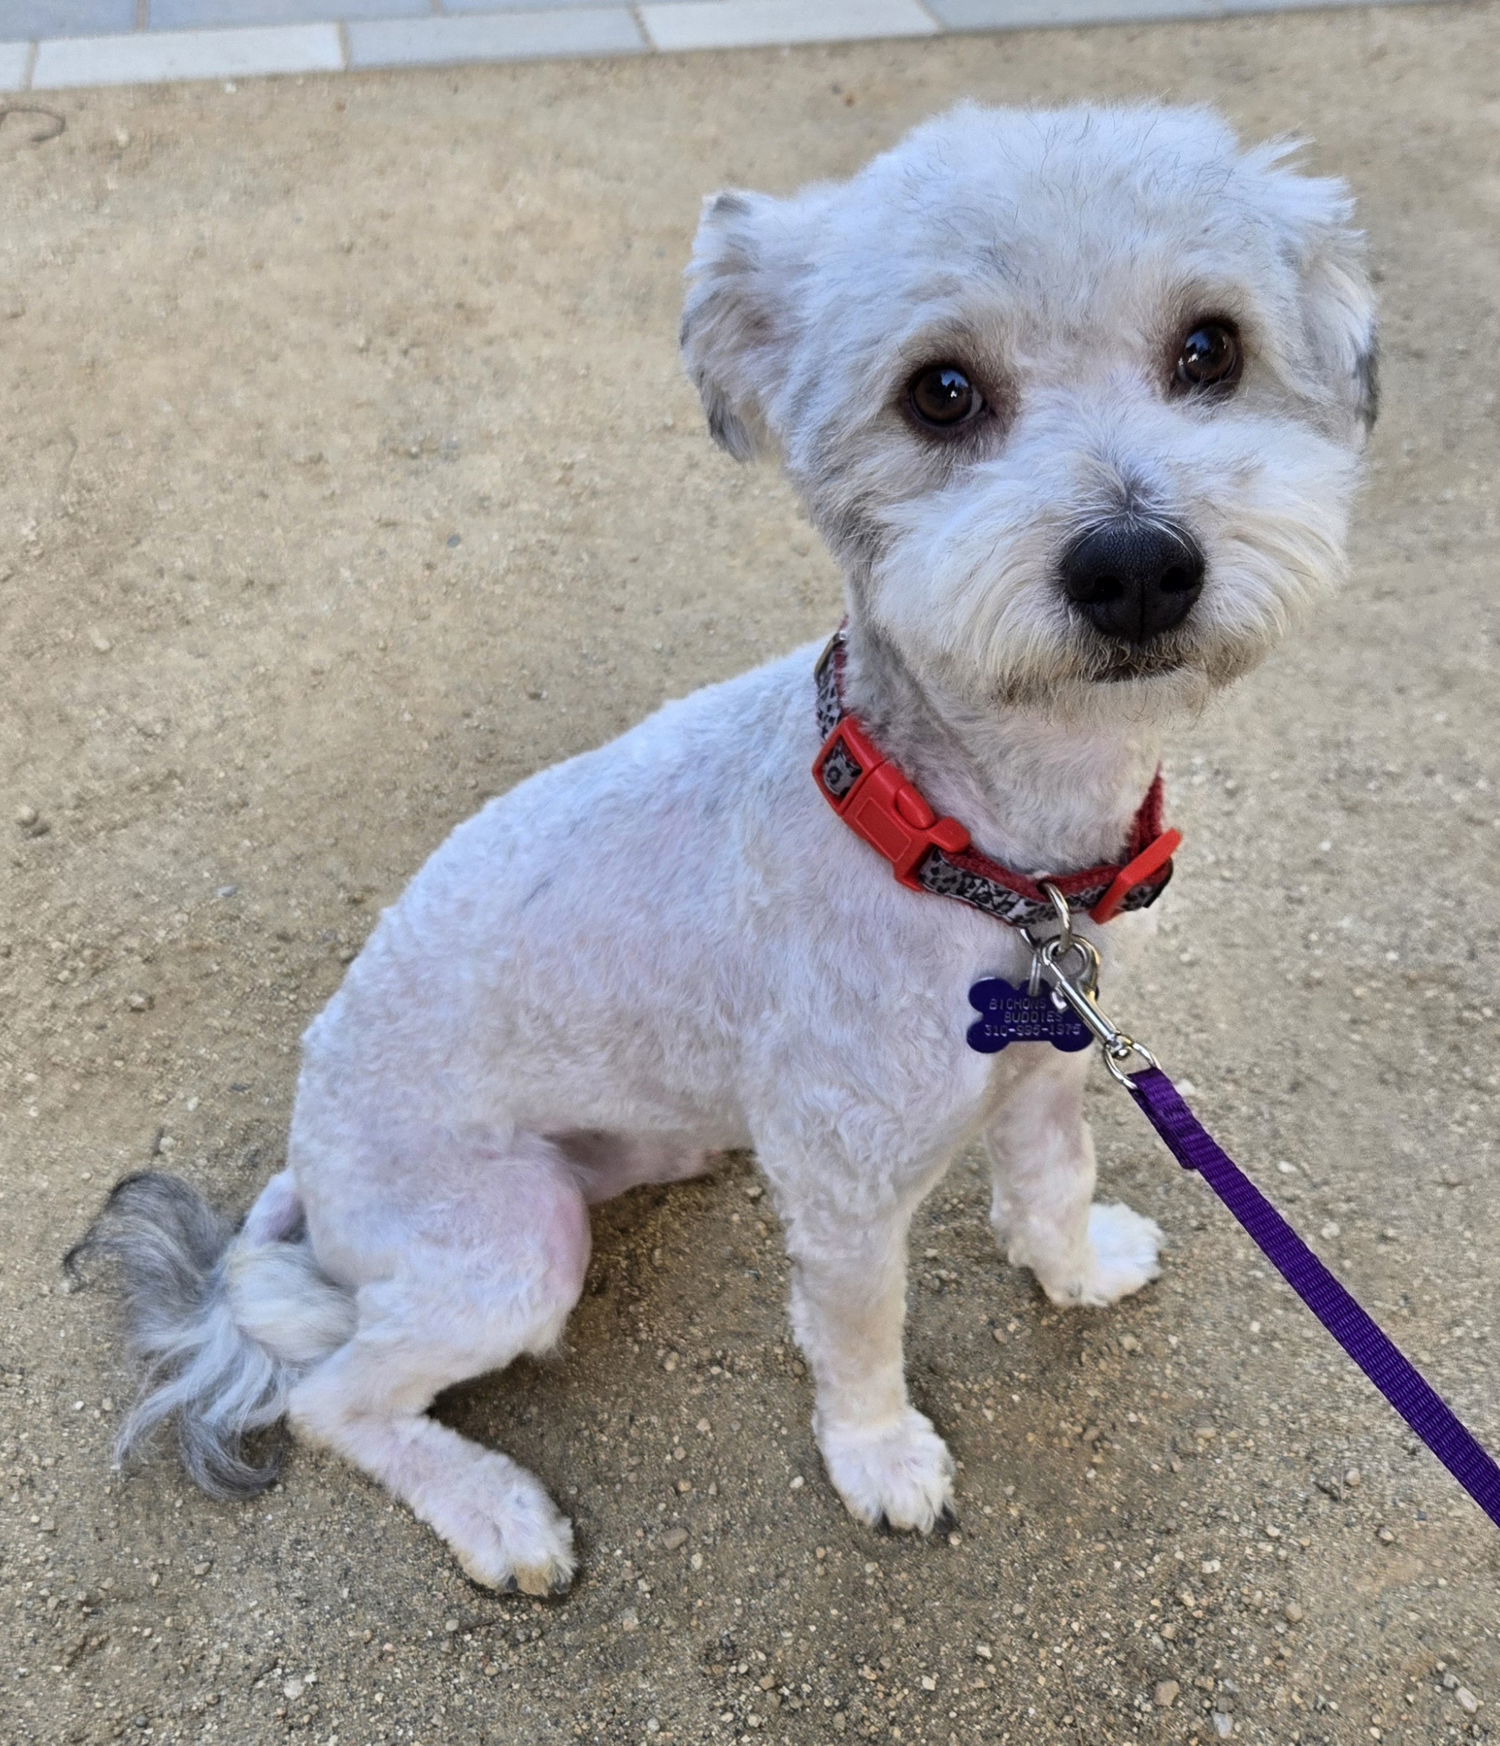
484, 1267
609, 1164
1043, 1212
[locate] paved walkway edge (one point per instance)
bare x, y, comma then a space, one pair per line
151, 56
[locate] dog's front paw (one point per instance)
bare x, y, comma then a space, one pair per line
1121, 1257
504, 1529
900, 1474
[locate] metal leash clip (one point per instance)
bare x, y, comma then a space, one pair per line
1078, 988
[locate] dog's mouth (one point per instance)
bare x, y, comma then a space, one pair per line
1126, 664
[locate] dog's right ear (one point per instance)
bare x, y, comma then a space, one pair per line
735, 319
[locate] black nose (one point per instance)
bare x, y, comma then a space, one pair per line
1133, 579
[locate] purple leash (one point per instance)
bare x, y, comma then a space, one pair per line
1373, 1350
1190, 1143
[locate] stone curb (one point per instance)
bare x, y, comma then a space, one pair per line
232, 39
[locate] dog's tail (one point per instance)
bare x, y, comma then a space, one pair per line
222, 1321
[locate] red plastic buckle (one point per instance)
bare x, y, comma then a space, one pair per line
1150, 860
884, 808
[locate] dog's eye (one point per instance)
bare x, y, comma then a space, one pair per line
1210, 357
943, 397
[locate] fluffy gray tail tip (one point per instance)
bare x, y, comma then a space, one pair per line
168, 1247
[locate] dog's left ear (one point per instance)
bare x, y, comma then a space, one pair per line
735, 323
1341, 324
1338, 305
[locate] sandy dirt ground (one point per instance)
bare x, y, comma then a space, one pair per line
349, 478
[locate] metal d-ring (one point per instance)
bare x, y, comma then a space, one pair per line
1060, 909
1078, 989
1122, 1049
1055, 953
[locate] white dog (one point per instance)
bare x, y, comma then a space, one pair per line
1077, 400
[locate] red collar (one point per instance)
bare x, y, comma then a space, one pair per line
935, 854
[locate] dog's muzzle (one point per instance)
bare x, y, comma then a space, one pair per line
1133, 579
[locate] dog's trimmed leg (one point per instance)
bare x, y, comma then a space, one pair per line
485, 1279
848, 1306
610, 1164
1043, 1210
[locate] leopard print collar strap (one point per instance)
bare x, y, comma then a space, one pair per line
935, 854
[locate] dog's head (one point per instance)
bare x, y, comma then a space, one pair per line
1077, 397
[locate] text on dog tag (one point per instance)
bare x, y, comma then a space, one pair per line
1011, 1015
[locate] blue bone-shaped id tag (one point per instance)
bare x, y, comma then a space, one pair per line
1013, 1015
